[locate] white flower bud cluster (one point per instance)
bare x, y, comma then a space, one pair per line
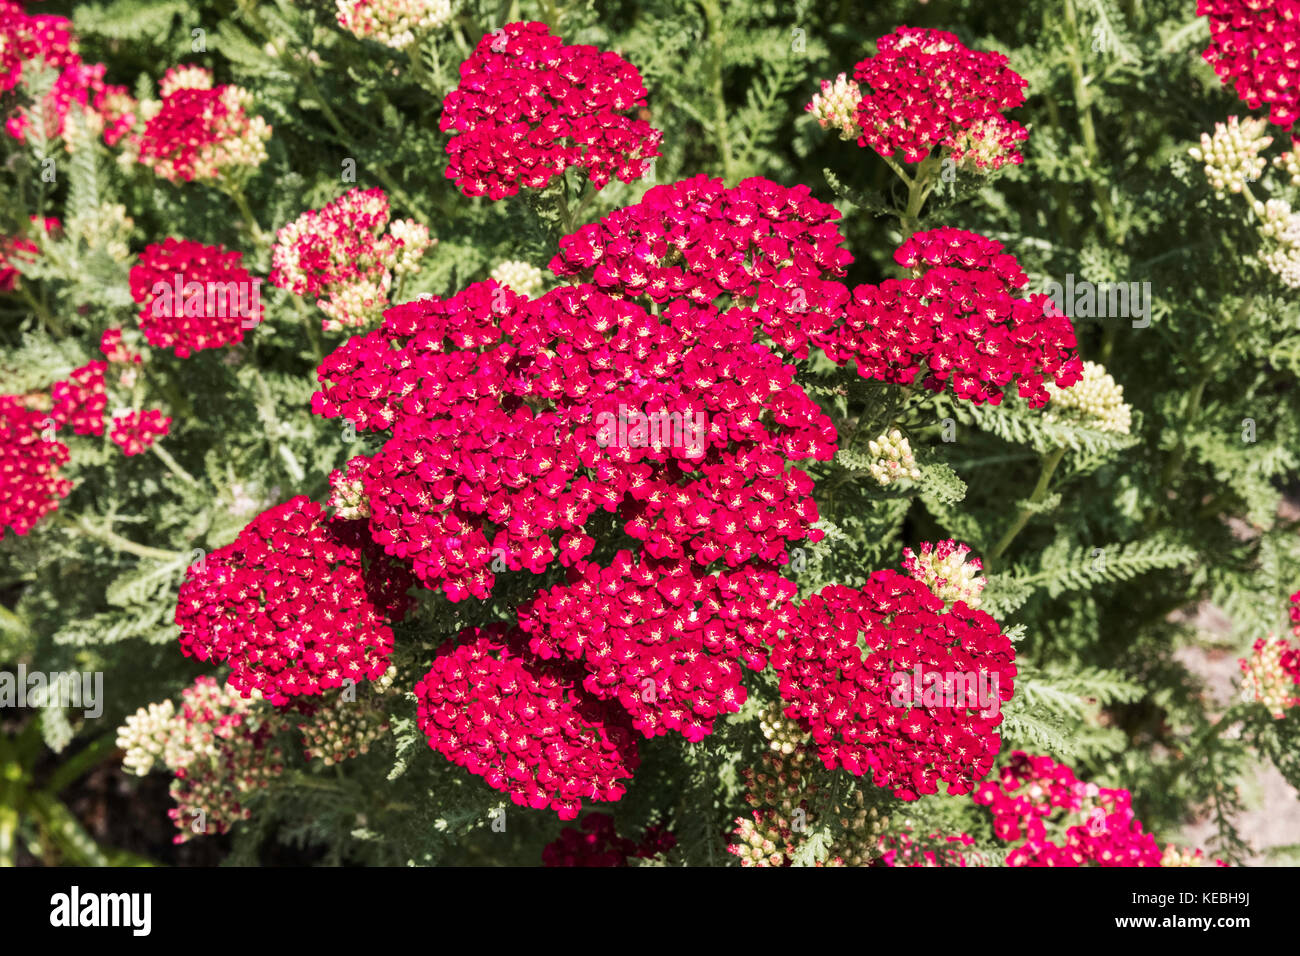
145, 736
1231, 155
836, 107
1282, 227
107, 229
1096, 397
1265, 681
413, 240
943, 569
894, 459
357, 305
1289, 163
394, 23
521, 277
860, 843
784, 735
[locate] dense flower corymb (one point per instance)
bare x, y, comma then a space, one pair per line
1271, 674
80, 400
30, 485
394, 23
922, 707
524, 727
529, 106
659, 638
775, 250
193, 296
298, 604
959, 323
943, 568
345, 255
1058, 820
924, 89
504, 454
1255, 46
201, 131
135, 431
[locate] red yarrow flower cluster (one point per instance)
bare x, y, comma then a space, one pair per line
342, 256
297, 604
959, 323
660, 638
924, 89
80, 400
1271, 675
596, 842
30, 484
135, 431
48, 41
528, 730
850, 702
529, 106
506, 452
1058, 820
194, 296
200, 131
775, 250
1255, 46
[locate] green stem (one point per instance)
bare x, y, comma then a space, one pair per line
54, 324
256, 236
717, 41
1083, 102
172, 464
1050, 461
117, 542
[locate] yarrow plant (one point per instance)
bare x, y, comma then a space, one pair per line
710, 491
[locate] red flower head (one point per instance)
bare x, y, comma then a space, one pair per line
959, 322
677, 421
194, 297
664, 640
30, 486
1255, 45
528, 107
523, 727
1057, 820
81, 399
924, 703
134, 432
298, 604
924, 89
774, 250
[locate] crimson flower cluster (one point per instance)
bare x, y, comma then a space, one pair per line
1254, 46
846, 699
194, 297
529, 731
1058, 820
924, 89
30, 484
596, 842
907, 849
660, 638
80, 400
135, 431
529, 106
774, 249
297, 604
200, 130
48, 41
505, 452
959, 322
